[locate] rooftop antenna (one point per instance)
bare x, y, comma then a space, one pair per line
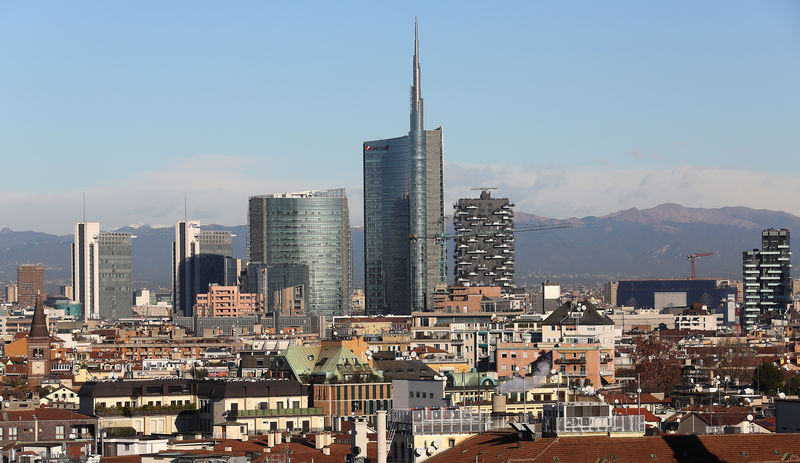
185, 201
84, 207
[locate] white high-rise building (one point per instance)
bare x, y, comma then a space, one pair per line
101, 272
86, 268
185, 268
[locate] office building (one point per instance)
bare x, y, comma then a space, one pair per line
289, 231
115, 269
484, 243
199, 258
767, 277
30, 282
102, 268
12, 294
404, 198
283, 281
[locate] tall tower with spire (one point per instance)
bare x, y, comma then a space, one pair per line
403, 196
38, 346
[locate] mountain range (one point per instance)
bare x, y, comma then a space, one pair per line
632, 243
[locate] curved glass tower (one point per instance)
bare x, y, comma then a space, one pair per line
403, 197
311, 228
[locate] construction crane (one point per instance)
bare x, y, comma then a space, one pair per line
695, 256
443, 237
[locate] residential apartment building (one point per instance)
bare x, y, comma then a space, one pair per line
227, 301
767, 277
484, 243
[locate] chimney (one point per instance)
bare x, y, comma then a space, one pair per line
270, 440
381, 429
499, 403
358, 438
326, 451
319, 441
245, 438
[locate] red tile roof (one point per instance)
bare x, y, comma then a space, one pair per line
501, 447
42, 414
648, 416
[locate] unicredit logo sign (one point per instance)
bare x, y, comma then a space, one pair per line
376, 148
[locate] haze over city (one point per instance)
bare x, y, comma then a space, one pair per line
570, 110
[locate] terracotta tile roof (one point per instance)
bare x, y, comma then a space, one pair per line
499, 447
122, 459
648, 416
42, 414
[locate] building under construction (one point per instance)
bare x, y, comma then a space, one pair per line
484, 241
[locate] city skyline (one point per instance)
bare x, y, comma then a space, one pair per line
678, 106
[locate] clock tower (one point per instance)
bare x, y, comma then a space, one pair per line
38, 346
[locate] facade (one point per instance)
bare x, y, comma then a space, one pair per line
115, 266
30, 282
766, 274
351, 399
660, 294
101, 272
199, 258
484, 243
551, 296
46, 425
38, 346
404, 197
312, 229
12, 294
287, 277
227, 301
86, 268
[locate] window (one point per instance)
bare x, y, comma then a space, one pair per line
60, 432
504, 368
12, 433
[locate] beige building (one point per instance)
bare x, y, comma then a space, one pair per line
227, 301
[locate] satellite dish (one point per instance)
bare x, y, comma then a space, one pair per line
749, 417
436, 443
356, 451
782, 395
419, 451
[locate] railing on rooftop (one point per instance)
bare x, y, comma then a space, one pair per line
594, 424
280, 412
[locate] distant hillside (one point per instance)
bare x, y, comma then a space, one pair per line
626, 244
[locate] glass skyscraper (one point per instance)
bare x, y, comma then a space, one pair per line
404, 197
312, 229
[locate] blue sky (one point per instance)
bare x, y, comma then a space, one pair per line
570, 108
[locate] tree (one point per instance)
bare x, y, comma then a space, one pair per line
658, 364
768, 378
793, 384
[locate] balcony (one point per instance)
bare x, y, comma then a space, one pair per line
572, 361
144, 410
268, 412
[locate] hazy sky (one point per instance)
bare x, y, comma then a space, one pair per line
570, 108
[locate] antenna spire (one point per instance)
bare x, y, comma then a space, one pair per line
84, 207
185, 205
416, 91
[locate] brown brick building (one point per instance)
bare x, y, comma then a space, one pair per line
45, 425
30, 282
